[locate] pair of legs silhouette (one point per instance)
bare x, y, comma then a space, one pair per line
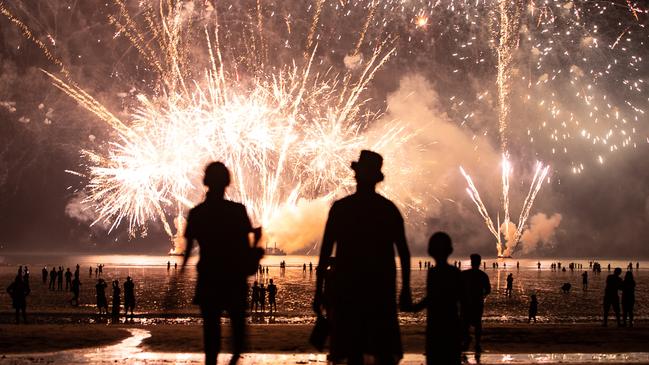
212, 333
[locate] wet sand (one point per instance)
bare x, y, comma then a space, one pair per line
282, 338
54, 337
497, 338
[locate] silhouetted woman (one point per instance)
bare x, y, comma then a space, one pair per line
628, 298
102, 302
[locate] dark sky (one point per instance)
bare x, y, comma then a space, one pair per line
604, 209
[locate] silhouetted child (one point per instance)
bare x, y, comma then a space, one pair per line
129, 296
18, 291
272, 293
534, 308
102, 302
443, 292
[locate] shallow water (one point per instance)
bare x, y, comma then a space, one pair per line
165, 296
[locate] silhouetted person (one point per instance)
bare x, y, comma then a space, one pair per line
59, 279
310, 267
262, 298
475, 288
102, 302
76, 288
53, 279
584, 280
117, 301
101, 268
90, 271
538, 265
175, 266
628, 298
129, 296
443, 294
68, 279
364, 228
518, 265
272, 296
611, 297
222, 229
534, 309
44, 274
510, 285
168, 265
96, 271
254, 297
637, 266
18, 291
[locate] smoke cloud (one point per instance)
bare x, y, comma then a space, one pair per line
540, 233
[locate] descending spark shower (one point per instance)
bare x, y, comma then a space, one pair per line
288, 126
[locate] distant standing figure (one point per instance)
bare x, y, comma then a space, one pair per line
442, 301
53, 279
101, 269
254, 297
90, 271
168, 265
538, 265
117, 300
18, 291
364, 228
310, 267
475, 288
59, 279
272, 293
129, 296
175, 266
44, 274
534, 309
518, 265
628, 298
510, 285
68, 279
584, 280
102, 302
611, 297
304, 267
76, 288
262, 297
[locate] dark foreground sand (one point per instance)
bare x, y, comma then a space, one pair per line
498, 338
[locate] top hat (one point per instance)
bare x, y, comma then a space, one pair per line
369, 165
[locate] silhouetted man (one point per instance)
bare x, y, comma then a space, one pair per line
254, 296
272, 293
117, 301
442, 301
364, 227
475, 288
44, 274
611, 297
584, 280
75, 288
129, 296
262, 297
18, 291
222, 229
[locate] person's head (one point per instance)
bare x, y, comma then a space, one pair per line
617, 271
628, 276
217, 176
368, 168
440, 246
128, 278
271, 281
255, 283
534, 297
475, 260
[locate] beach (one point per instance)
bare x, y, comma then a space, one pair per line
568, 323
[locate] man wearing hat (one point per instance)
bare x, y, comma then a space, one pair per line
364, 227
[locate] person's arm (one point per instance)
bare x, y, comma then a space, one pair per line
487, 286
326, 250
405, 300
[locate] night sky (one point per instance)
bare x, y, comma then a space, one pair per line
604, 208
